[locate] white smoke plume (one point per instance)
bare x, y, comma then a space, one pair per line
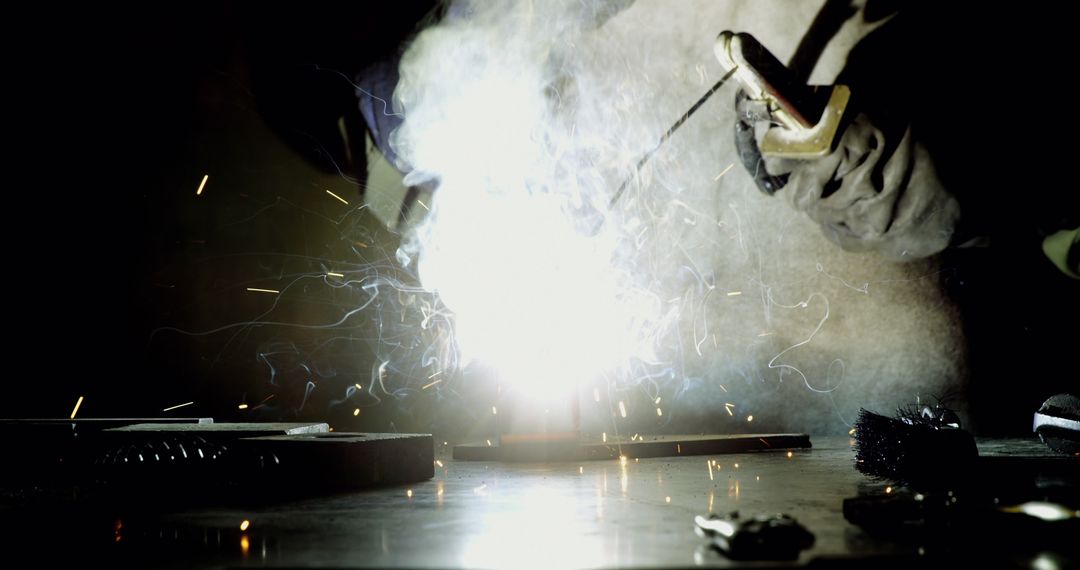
694, 290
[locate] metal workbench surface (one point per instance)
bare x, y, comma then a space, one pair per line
635, 513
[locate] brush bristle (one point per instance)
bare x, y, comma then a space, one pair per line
911, 452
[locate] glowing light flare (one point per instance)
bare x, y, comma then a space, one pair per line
76, 409
171, 408
533, 296
342, 200
244, 525
546, 303
1044, 510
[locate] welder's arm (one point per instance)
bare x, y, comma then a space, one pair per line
876, 191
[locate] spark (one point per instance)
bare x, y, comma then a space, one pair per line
763, 440
408, 493
723, 172
494, 411
581, 470
734, 293
729, 407
622, 460
242, 407
722, 387
709, 465
667, 499
439, 463
596, 394
169, 409
334, 274
736, 465
851, 431
76, 410
202, 184
361, 244
430, 384
790, 455
604, 436
488, 442
358, 387
678, 448
622, 409
245, 525
769, 333
750, 418
435, 374
888, 490
257, 290
343, 201
421, 202
658, 400
757, 477
659, 412
356, 412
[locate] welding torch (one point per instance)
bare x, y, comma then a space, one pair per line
804, 120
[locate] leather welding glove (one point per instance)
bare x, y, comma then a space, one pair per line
876, 191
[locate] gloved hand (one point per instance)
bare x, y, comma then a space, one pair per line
878, 190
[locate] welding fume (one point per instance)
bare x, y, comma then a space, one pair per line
709, 206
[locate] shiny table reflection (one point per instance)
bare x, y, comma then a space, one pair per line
492, 515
